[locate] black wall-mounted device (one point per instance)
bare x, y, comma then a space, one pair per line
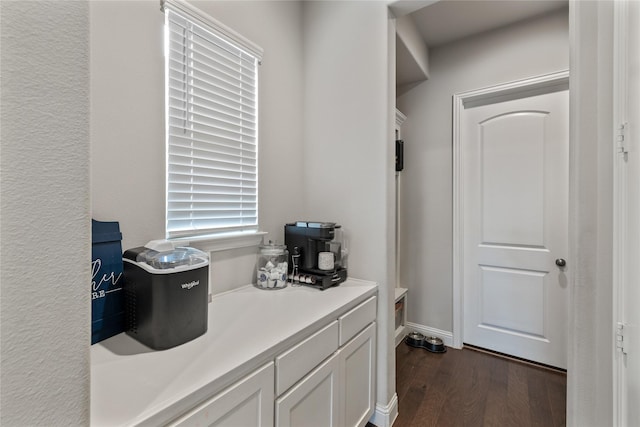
399, 155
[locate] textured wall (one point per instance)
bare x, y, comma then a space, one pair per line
44, 211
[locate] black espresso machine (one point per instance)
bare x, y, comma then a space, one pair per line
315, 254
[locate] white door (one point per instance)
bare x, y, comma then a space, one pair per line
515, 202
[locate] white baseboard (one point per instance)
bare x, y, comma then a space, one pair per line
385, 415
445, 336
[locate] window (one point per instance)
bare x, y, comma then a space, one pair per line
211, 79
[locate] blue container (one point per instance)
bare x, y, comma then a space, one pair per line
107, 296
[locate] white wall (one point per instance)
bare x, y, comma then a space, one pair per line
325, 134
534, 47
127, 120
45, 245
45, 209
324, 130
348, 134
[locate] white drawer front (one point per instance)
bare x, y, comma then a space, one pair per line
295, 363
357, 319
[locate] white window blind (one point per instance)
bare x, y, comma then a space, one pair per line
212, 128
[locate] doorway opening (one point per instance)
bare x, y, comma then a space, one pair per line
509, 229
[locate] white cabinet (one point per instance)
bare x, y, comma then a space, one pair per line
249, 402
339, 391
325, 380
219, 379
314, 401
357, 377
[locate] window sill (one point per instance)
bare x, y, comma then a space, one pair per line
223, 242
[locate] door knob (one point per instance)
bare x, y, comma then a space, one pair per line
561, 262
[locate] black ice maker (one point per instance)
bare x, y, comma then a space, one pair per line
166, 294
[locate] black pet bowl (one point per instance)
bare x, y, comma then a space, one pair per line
415, 339
432, 344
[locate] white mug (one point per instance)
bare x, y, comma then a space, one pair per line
326, 260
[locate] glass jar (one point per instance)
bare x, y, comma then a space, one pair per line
273, 267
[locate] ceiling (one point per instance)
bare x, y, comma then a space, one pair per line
445, 21
448, 20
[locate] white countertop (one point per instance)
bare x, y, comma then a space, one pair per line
132, 384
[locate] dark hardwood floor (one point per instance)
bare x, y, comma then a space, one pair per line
472, 388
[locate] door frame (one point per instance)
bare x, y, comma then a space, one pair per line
539, 85
622, 272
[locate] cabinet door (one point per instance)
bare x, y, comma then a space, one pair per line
249, 402
358, 377
314, 401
